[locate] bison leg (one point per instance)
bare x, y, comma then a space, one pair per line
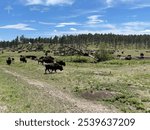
45, 71
49, 71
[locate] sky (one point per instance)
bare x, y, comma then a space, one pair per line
46, 18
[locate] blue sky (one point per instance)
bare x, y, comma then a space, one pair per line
45, 18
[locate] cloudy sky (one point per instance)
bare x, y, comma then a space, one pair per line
33, 18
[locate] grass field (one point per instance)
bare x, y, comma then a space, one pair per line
111, 86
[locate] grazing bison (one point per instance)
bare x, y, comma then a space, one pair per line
23, 59
61, 63
47, 59
53, 67
129, 57
8, 61
118, 55
40, 60
142, 56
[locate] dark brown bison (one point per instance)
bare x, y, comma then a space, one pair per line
23, 59
61, 63
40, 60
53, 67
141, 56
129, 57
8, 61
47, 59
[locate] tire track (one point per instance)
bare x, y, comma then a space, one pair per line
78, 103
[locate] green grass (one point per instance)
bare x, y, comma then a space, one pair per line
127, 80
18, 96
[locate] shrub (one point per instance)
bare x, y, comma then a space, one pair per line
103, 55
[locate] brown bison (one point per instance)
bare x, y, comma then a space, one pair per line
47, 59
129, 57
8, 61
23, 59
53, 67
61, 63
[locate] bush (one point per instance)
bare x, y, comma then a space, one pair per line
103, 55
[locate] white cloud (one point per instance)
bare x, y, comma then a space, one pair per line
134, 4
108, 26
55, 31
33, 2
30, 21
101, 26
140, 6
109, 2
66, 24
46, 23
48, 2
119, 29
137, 25
19, 26
94, 19
73, 29
146, 31
40, 9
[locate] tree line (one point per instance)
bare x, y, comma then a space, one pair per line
115, 41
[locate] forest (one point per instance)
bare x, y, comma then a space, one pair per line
115, 41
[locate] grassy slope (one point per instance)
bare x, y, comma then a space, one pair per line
128, 80
17, 96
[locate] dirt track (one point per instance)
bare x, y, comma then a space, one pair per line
79, 105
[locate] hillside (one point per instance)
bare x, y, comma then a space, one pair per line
110, 86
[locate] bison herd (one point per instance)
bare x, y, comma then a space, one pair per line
51, 65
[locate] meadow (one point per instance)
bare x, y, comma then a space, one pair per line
110, 86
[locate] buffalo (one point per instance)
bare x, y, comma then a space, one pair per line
47, 59
40, 60
8, 61
141, 56
61, 63
53, 67
129, 57
23, 59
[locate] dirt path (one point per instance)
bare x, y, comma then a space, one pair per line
82, 105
